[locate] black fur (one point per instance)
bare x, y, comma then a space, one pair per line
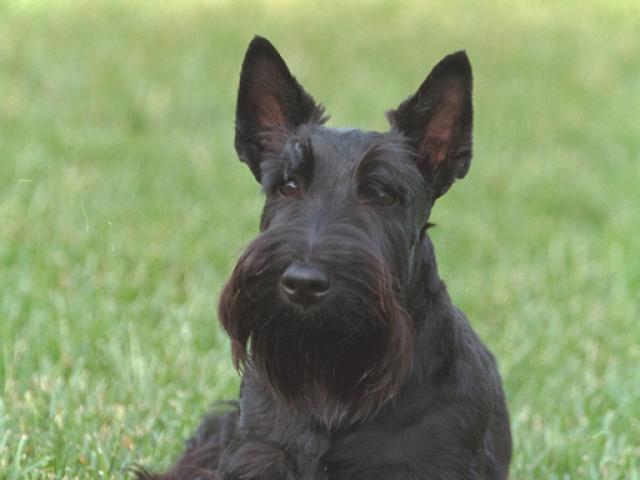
382, 378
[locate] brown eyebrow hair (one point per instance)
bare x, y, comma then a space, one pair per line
389, 161
389, 145
288, 161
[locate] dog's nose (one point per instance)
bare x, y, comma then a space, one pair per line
304, 284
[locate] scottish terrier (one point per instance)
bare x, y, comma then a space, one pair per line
355, 364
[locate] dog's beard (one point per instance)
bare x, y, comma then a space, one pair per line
340, 360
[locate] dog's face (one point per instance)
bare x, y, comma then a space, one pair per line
318, 303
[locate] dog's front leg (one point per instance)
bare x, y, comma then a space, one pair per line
435, 472
257, 460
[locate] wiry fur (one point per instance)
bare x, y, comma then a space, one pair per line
383, 378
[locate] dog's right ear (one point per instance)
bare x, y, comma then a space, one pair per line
271, 105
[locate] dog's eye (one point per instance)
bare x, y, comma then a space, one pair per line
289, 188
384, 198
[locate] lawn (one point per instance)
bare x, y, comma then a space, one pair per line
123, 208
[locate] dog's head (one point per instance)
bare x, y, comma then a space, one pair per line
318, 305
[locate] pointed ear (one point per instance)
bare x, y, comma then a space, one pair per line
271, 105
437, 121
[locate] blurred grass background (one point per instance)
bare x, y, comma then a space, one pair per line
123, 207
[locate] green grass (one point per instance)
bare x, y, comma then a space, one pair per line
123, 207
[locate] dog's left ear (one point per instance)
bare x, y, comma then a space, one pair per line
271, 104
437, 120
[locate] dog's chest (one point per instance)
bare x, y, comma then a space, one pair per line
353, 469
358, 456
310, 454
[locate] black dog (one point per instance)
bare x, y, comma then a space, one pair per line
355, 363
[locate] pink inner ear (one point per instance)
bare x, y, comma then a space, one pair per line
441, 127
272, 122
270, 113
